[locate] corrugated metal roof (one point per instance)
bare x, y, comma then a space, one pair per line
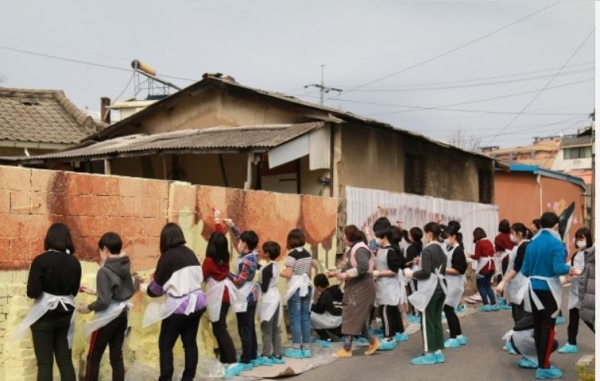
233, 139
578, 141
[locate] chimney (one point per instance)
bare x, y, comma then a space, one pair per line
104, 110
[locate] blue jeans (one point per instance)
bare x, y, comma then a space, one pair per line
484, 285
299, 310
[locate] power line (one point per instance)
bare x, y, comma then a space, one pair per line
82, 62
452, 50
527, 127
547, 84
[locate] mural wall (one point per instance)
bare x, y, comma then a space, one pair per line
136, 209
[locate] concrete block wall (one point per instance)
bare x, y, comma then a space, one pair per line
137, 209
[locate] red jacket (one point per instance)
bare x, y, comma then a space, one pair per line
218, 272
485, 248
503, 242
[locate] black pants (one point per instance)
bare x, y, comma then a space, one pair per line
247, 332
50, 342
112, 335
391, 321
224, 341
171, 328
325, 334
453, 322
543, 327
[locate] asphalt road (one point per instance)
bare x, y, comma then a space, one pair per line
481, 359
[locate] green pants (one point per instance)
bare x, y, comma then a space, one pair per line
431, 324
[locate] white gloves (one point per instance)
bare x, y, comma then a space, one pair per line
144, 288
408, 273
352, 273
375, 273
563, 280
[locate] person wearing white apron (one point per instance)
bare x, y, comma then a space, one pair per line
484, 255
298, 295
430, 295
178, 277
456, 266
270, 305
326, 313
543, 265
388, 281
114, 287
413, 254
583, 241
220, 292
53, 282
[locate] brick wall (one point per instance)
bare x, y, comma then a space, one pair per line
137, 209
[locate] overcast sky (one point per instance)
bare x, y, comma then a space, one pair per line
281, 45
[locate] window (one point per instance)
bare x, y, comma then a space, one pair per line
578, 153
415, 174
486, 186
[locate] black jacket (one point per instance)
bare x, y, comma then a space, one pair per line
330, 301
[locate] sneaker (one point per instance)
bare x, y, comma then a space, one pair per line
373, 347
547, 374
323, 343
277, 360
387, 345
293, 353
342, 353
306, 353
440, 358
485, 308
247, 367
462, 340
426, 359
400, 337
494, 308
526, 363
452, 343
560, 320
568, 348
232, 370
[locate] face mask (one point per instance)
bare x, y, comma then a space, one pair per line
581, 244
513, 238
447, 242
379, 242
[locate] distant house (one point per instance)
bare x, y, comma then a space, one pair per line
40, 121
542, 152
575, 156
219, 132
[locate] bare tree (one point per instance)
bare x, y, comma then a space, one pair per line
460, 139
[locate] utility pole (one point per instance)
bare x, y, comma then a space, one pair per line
322, 88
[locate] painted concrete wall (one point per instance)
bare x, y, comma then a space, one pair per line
566, 165
137, 209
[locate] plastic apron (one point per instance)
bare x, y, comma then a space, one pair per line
388, 288
555, 289
43, 304
214, 297
426, 287
270, 300
297, 282
240, 304
516, 289
157, 311
498, 259
578, 263
102, 318
456, 284
325, 320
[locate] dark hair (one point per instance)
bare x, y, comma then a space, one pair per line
321, 281
112, 242
395, 235
478, 234
171, 236
453, 230
250, 238
295, 239
454, 223
59, 238
518, 227
218, 248
548, 220
416, 234
537, 223
585, 233
352, 233
272, 248
382, 227
504, 226
433, 228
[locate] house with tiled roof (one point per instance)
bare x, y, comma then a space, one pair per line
36, 121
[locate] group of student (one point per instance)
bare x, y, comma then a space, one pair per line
379, 277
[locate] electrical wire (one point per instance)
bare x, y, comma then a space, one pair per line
547, 84
453, 49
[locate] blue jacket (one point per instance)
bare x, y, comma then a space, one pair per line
544, 257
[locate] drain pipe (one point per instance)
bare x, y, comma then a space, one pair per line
539, 182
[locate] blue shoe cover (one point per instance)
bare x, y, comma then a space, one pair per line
548, 374
485, 308
568, 348
361, 340
459, 309
323, 343
400, 337
232, 370
247, 367
376, 331
428, 359
560, 320
440, 358
462, 340
277, 361
292, 353
387, 345
452, 343
528, 364
306, 353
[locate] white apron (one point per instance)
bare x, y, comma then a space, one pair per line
157, 311
102, 318
43, 304
240, 304
214, 297
296, 282
270, 300
456, 284
325, 321
578, 263
498, 259
388, 288
555, 289
516, 288
403, 297
426, 287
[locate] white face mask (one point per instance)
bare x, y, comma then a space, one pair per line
581, 244
448, 242
379, 242
513, 238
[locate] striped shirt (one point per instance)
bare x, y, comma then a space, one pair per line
300, 260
